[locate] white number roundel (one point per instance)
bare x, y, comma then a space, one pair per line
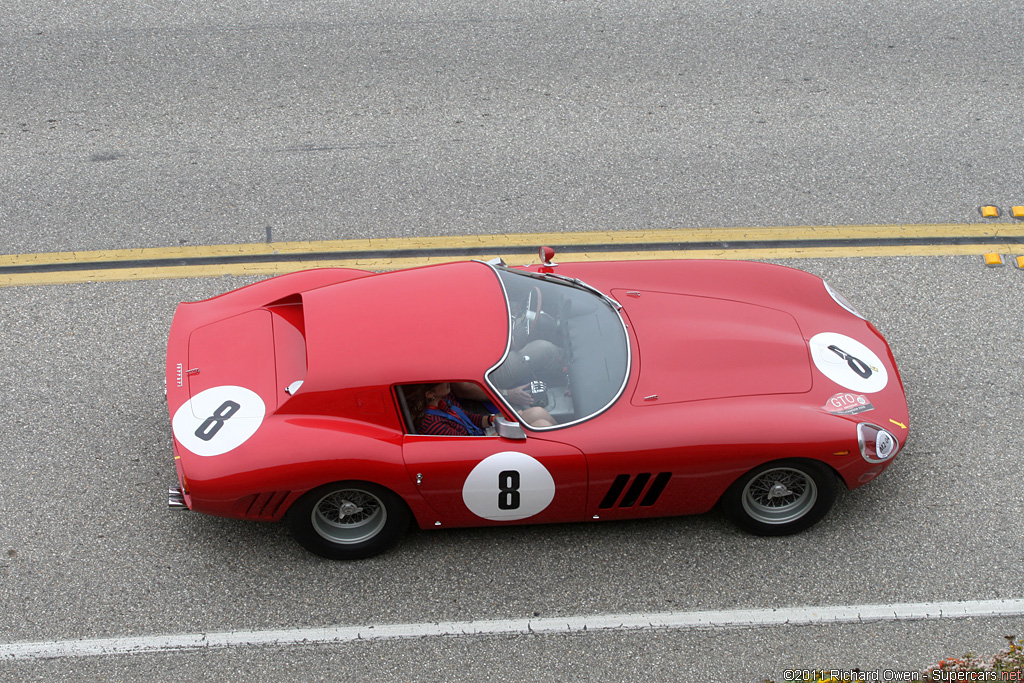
508, 486
848, 363
218, 420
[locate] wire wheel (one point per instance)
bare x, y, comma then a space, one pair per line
779, 496
349, 516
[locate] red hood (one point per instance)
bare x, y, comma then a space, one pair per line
694, 348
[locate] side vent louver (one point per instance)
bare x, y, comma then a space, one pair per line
635, 491
263, 505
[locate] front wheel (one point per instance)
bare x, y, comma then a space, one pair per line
781, 497
348, 520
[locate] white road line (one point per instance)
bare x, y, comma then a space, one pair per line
720, 619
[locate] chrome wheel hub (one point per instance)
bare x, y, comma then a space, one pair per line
779, 491
348, 508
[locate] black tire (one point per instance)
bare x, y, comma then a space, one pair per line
348, 520
781, 497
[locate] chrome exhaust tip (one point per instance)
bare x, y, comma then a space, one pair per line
176, 499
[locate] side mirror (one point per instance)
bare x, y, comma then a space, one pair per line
507, 429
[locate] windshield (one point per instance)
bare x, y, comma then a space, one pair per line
568, 352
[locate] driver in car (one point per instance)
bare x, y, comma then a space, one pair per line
436, 410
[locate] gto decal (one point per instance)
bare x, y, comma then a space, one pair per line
508, 486
848, 363
848, 404
218, 420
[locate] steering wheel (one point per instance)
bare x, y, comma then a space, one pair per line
529, 314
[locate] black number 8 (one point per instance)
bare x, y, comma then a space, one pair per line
508, 490
856, 364
212, 424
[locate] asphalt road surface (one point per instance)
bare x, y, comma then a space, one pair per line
159, 124
128, 124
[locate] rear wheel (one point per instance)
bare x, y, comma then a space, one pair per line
781, 497
348, 520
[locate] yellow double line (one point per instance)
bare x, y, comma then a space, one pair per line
516, 249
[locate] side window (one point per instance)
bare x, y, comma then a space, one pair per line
403, 409
445, 408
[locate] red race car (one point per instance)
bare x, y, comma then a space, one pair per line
351, 404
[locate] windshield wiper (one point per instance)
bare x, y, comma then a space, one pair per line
583, 285
576, 282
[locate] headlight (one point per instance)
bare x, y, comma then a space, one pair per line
842, 300
876, 444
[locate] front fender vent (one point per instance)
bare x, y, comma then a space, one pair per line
635, 490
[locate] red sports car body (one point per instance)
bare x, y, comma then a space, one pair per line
675, 385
